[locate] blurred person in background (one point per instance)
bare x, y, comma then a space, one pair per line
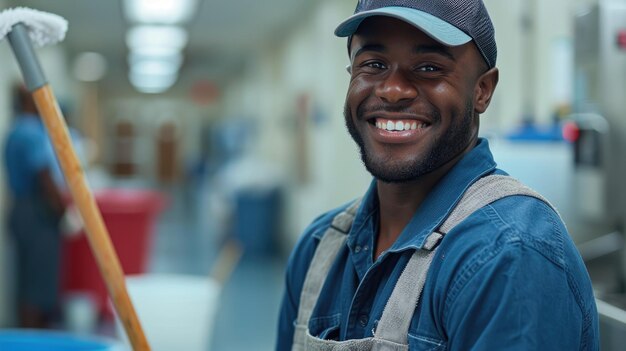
414, 264
35, 211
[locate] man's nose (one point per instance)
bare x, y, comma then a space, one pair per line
396, 87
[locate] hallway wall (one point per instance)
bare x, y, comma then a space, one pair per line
296, 91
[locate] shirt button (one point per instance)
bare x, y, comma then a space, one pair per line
363, 319
357, 249
365, 248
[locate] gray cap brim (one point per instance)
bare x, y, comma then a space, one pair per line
434, 27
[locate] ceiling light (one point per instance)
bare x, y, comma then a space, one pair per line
154, 67
155, 51
159, 11
152, 83
151, 90
89, 67
156, 38
173, 58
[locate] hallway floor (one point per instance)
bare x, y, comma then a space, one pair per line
248, 309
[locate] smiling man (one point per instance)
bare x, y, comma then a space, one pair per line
444, 251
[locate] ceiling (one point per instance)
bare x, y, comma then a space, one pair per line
222, 34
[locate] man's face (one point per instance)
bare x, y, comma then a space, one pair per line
410, 103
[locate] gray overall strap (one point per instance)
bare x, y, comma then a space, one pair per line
397, 315
328, 248
485, 191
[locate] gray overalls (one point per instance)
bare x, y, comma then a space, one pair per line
393, 326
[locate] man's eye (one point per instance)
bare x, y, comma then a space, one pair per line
428, 68
375, 64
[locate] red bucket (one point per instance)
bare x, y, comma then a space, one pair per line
130, 216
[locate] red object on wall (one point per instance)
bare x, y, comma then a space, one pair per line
204, 92
129, 216
571, 132
621, 39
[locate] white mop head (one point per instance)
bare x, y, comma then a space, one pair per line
43, 28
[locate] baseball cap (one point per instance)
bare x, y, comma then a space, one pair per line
450, 22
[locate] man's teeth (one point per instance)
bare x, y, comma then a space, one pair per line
399, 125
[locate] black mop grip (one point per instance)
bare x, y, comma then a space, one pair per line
25, 54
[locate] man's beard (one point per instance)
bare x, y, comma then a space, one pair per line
441, 150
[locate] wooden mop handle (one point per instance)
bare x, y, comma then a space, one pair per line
99, 239
97, 234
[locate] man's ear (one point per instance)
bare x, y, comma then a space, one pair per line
483, 92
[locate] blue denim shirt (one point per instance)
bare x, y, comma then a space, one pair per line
508, 277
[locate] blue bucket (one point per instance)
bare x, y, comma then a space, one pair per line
43, 340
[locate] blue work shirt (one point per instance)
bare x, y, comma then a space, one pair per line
508, 277
27, 152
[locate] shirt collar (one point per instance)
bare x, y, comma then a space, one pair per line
437, 205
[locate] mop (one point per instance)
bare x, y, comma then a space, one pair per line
23, 27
